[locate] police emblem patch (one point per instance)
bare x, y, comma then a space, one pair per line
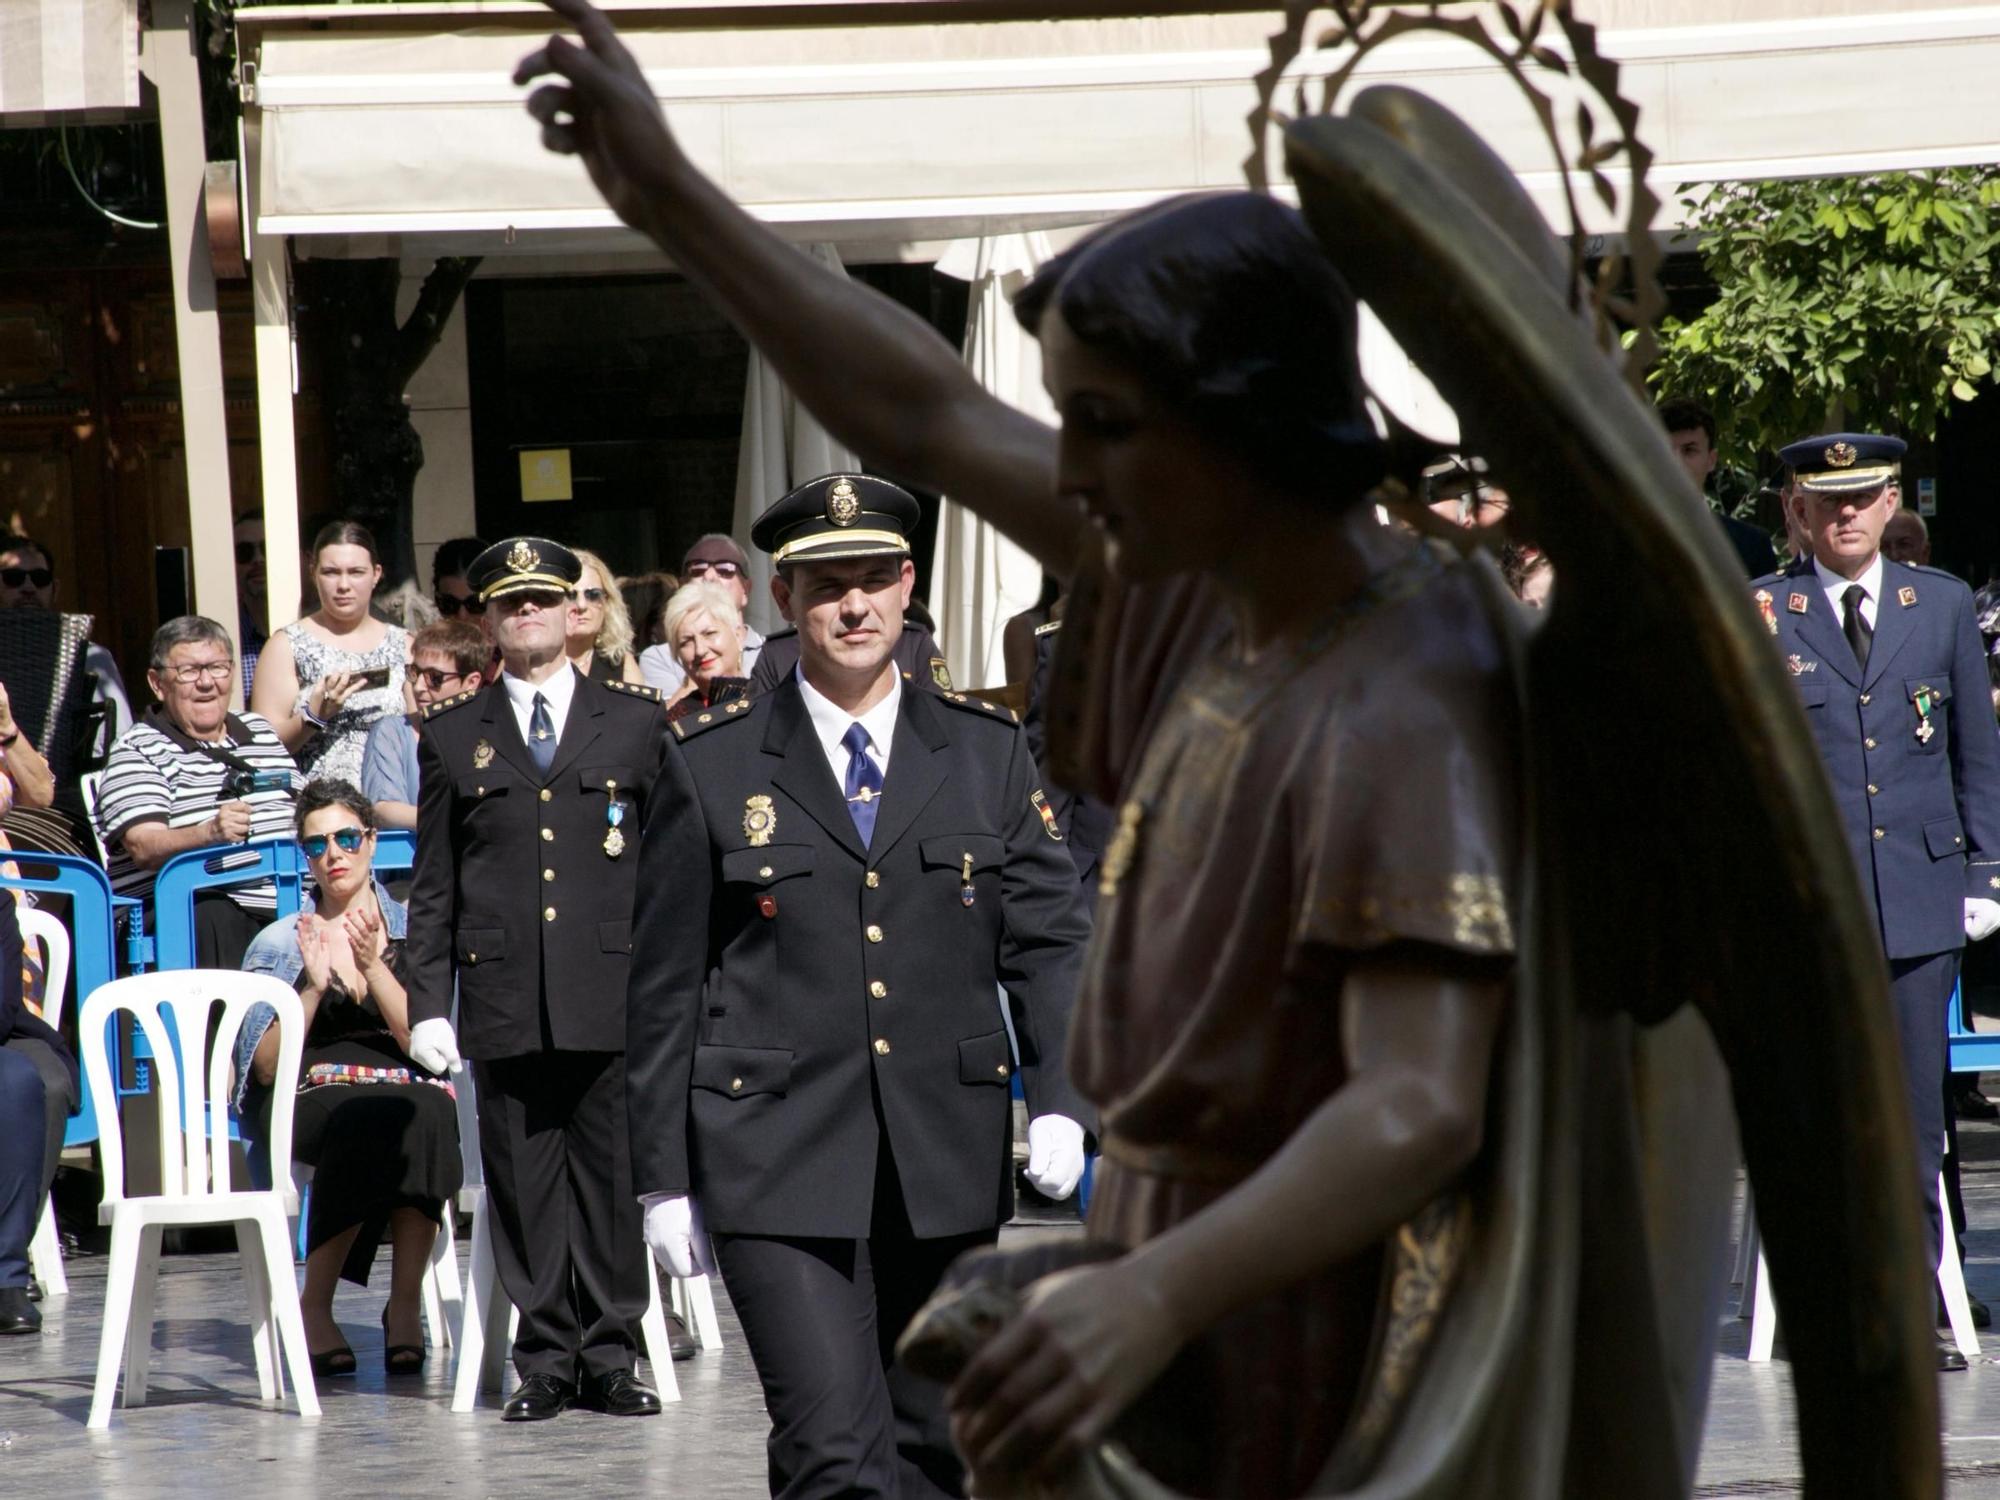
482, 756
1796, 604
522, 558
1048, 814
843, 506
760, 820
1842, 455
941, 673
1906, 596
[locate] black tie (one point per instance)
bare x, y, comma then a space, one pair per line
542, 735
1860, 634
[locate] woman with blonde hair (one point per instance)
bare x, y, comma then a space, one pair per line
704, 630
597, 630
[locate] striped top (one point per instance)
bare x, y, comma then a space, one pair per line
153, 777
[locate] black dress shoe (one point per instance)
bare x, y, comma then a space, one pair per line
1948, 1358
1982, 1315
19, 1315
1973, 1105
621, 1394
538, 1398
681, 1344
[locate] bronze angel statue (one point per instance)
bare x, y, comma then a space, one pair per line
1432, 947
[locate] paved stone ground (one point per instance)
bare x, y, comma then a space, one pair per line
204, 1432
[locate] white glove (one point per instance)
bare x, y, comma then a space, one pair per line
1982, 918
1055, 1155
670, 1233
434, 1047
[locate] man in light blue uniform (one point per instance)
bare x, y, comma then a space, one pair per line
1887, 661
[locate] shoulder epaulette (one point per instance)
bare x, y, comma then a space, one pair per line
981, 707
433, 710
1936, 572
687, 726
1049, 629
633, 689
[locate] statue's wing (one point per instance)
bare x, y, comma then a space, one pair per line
1686, 849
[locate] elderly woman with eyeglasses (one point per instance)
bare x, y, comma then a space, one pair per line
597, 628
379, 1131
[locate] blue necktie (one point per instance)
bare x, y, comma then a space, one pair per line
542, 735
864, 782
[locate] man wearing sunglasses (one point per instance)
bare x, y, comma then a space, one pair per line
28, 581
714, 559
447, 657
527, 860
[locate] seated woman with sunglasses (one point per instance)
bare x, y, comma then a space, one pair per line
447, 657
597, 628
705, 631
380, 1132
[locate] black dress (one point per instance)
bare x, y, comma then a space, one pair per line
379, 1132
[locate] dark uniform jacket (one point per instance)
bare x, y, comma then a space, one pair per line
917, 657
1922, 810
786, 977
1084, 822
514, 889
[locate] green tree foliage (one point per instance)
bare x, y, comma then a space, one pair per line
1864, 302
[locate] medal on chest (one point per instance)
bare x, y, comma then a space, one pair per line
1925, 698
614, 814
482, 756
1765, 612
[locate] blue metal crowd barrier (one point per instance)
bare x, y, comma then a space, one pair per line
1970, 1051
278, 860
93, 941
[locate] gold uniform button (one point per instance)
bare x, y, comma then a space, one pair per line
764, 872
1869, 743
473, 958
1001, 1070
548, 874
548, 914
1879, 833
873, 880
735, 1085
1874, 790
548, 835
1864, 699
881, 1046
879, 990
547, 795
874, 933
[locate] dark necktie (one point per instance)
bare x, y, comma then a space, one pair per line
864, 782
542, 735
1860, 634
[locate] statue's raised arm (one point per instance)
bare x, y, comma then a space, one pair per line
917, 413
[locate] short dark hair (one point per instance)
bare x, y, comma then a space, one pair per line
14, 541
461, 640
331, 792
345, 534
186, 630
454, 557
1681, 414
1230, 311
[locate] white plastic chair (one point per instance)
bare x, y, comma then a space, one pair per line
1761, 1309
89, 781
45, 1249
192, 1090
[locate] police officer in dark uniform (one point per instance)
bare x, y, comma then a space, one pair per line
527, 855
1083, 822
916, 649
836, 877
1887, 660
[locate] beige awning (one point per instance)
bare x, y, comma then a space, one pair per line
75, 61
402, 120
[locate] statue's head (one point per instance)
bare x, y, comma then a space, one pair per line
1231, 339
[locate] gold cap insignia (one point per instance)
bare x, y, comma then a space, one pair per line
760, 820
1842, 455
843, 506
522, 558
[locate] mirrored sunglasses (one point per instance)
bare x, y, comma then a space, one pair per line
592, 596
349, 839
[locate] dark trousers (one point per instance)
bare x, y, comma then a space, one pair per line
568, 1242
821, 1317
23, 1137
1922, 990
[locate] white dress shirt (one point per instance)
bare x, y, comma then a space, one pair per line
558, 690
1836, 586
830, 722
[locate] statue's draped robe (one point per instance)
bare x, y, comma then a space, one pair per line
1279, 818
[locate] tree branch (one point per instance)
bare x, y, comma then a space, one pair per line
426, 323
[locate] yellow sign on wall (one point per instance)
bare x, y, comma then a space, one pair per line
545, 474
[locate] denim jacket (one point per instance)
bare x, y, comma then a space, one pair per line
275, 951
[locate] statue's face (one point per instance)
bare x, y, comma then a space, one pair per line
1165, 498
